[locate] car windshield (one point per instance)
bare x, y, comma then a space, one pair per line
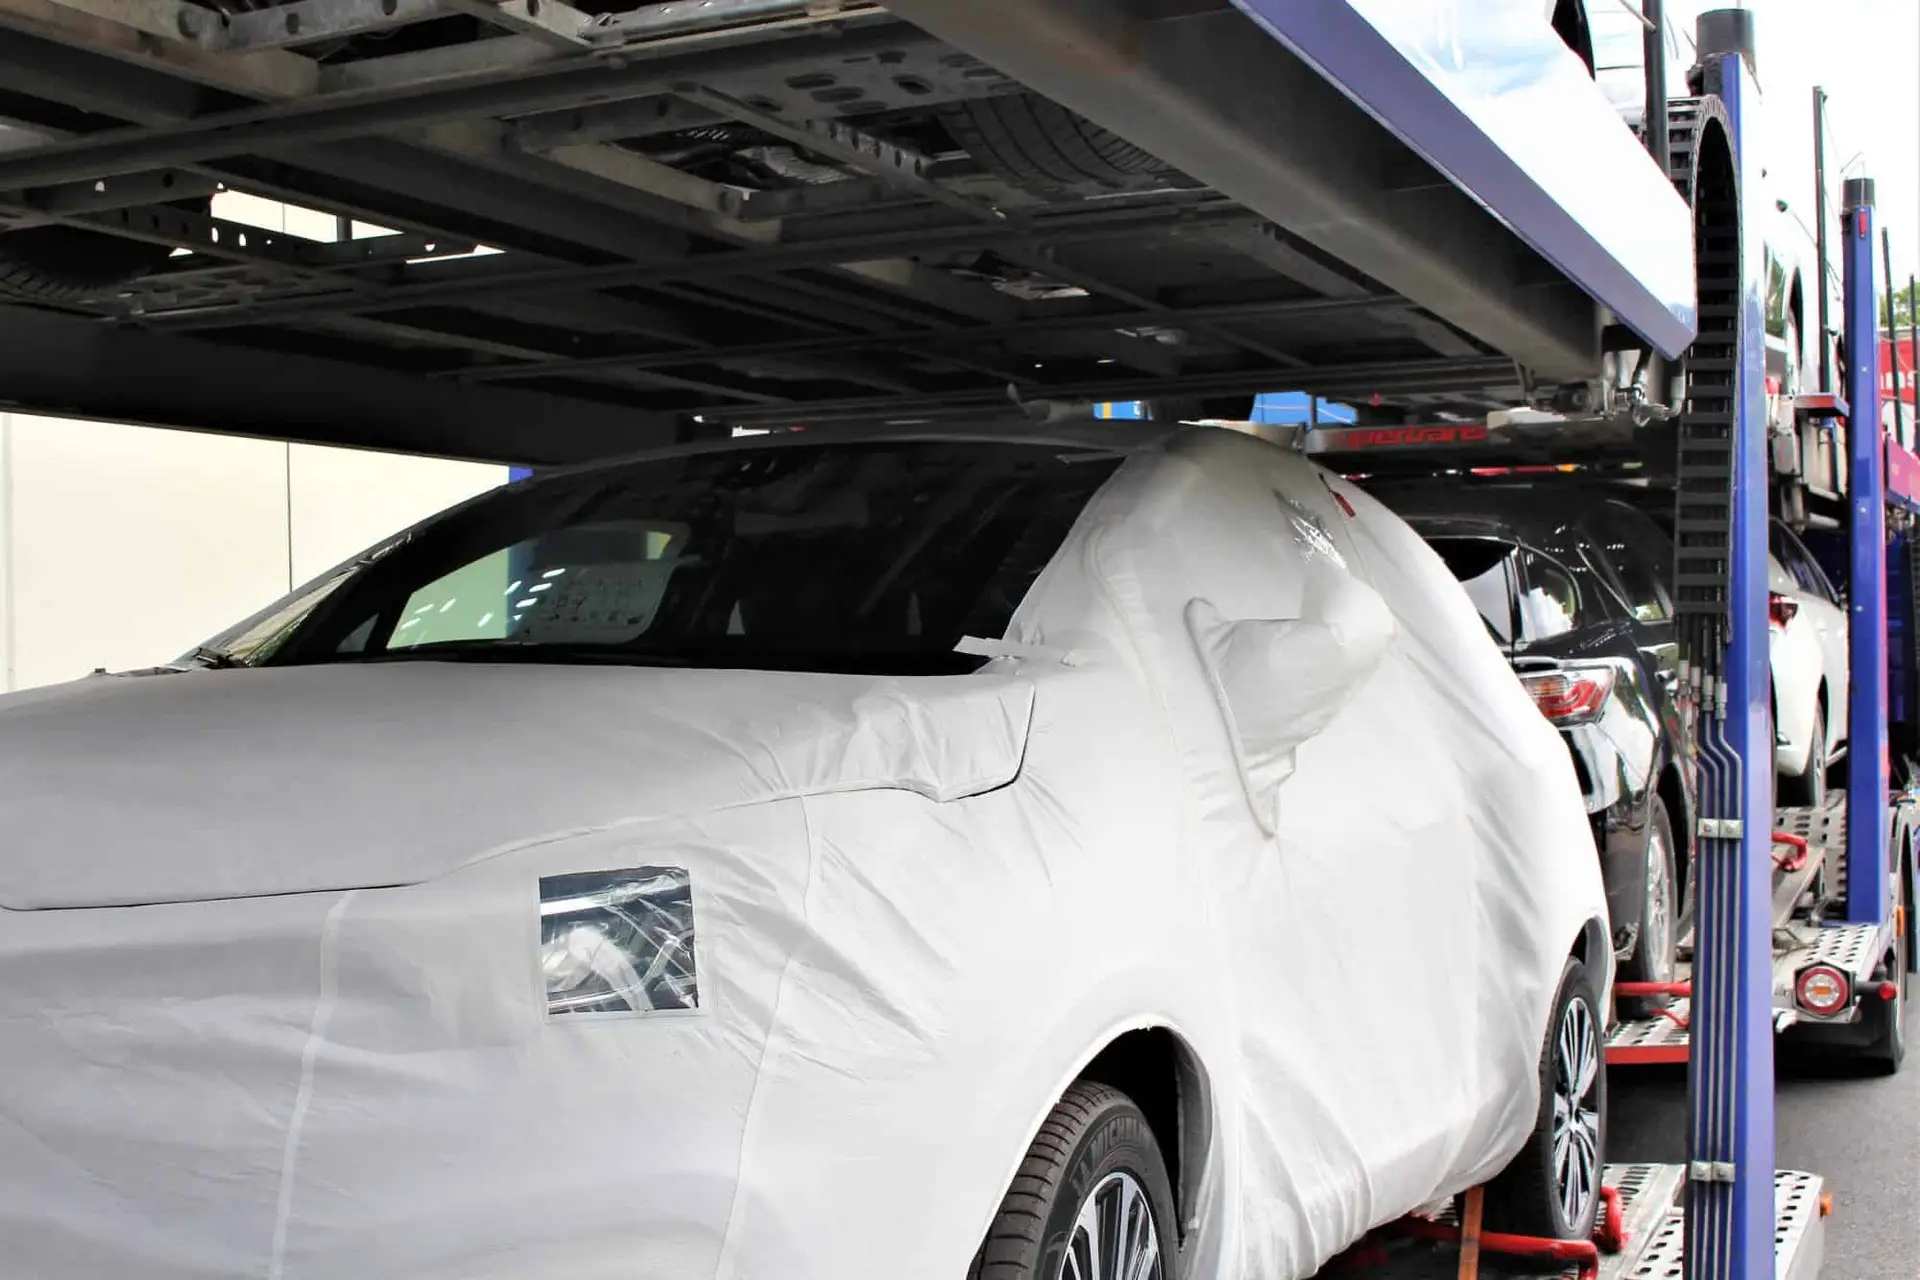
864, 557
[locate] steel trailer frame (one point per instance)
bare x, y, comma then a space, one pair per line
1346, 260
1743, 987
634, 300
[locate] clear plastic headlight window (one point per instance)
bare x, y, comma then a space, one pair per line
618, 942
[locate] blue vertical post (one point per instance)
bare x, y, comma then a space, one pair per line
1730, 1200
1867, 568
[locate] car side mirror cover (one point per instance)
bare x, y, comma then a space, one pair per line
1280, 681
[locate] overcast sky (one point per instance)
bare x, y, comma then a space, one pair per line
1866, 54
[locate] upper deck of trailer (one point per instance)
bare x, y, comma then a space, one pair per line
607, 222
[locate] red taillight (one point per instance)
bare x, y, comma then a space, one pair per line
1572, 696
1781, 610
1823, 990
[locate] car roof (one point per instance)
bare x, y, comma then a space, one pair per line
1115, 435
1513, 510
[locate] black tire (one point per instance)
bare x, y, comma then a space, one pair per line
1202, 409
1525, 1198
1094, 1133
1657, 951
1809, 791
1888, 1048
1046, 150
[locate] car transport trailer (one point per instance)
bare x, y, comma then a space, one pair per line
597, 229
1843, 943
1831, 895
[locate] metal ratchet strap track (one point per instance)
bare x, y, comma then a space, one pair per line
1703, 570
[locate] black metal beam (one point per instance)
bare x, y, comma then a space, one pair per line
1220, 100
1333, 381
952, 336
354, 113
1061, 228
415, 188
69, 367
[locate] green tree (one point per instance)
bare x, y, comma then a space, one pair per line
1905, 302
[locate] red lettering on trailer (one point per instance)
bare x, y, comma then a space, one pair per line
1388, 437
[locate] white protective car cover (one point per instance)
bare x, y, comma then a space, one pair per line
270, 992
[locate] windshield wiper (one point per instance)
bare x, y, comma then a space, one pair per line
213, 659
506, 651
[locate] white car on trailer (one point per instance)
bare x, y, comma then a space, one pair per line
1054, 851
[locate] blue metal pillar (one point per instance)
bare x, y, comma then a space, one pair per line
1867, 559
1730, 1198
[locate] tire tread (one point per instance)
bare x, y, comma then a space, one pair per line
1041, 147
1514, 1199
1012, 1245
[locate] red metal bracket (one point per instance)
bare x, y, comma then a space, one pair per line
1584, 1254
1610, 1232
1609, 1237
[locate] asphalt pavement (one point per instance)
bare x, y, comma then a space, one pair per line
1861, 1133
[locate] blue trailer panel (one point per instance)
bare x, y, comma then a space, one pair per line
1490, 95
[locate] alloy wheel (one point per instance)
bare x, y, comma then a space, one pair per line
1114, 1237
1576, 1111
1657, 938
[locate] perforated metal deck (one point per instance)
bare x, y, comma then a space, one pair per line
1650, 1040
1799, 1234
1652, 1203
1800, 886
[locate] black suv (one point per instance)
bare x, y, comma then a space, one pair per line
1571, 581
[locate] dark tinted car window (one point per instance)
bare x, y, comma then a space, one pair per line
1640, 557
1486, 568
1551, 602
846, 557
1800, 564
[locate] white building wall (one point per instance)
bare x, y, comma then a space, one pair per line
125, 546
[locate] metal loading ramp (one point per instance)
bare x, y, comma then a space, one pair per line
1653, 1243
1809, 893
609, 226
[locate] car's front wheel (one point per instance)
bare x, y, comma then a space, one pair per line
1552, 1188
1091, 1201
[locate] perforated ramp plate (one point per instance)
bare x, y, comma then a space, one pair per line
1651, 1200
1650, 1040
1825, 866
1799, 1236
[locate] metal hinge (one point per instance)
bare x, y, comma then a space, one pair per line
1710, 1171
1720, 829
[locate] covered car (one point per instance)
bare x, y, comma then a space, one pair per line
808, 857
1572, 581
